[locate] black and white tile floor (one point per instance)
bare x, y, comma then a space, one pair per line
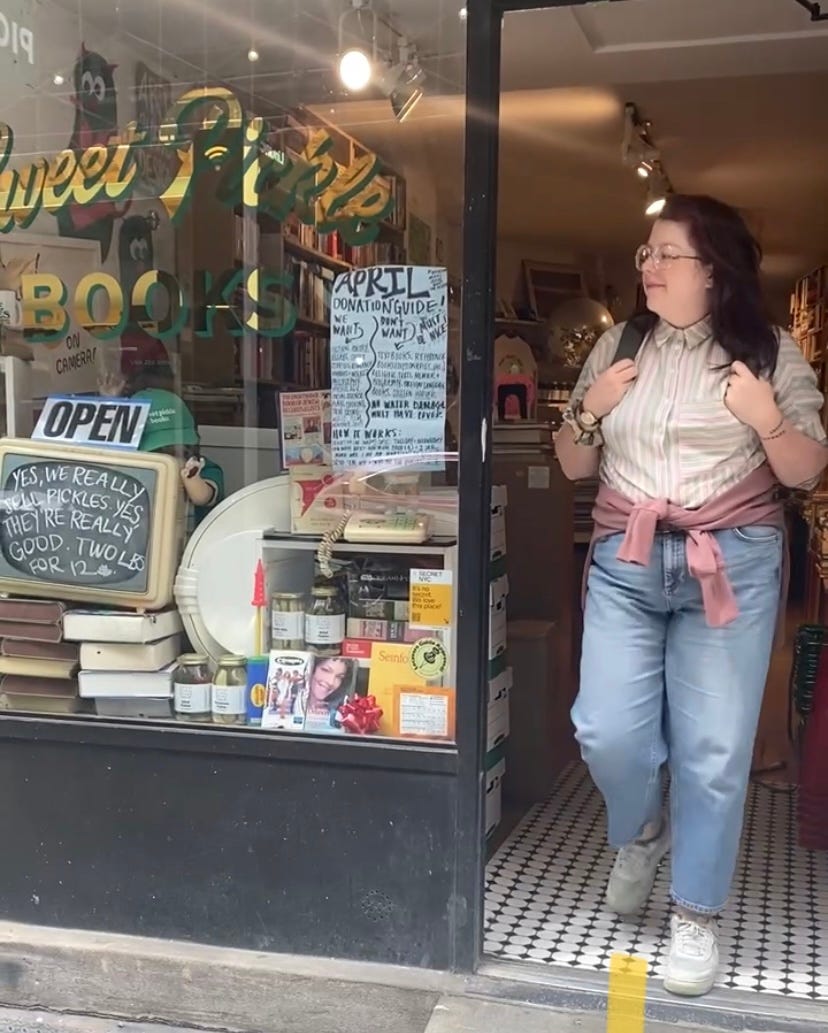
545, 891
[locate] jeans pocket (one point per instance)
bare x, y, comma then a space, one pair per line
758, 534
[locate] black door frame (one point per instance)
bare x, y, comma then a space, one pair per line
483, 39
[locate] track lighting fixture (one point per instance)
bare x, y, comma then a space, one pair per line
358, 57
397, 74
658, 190
403, 82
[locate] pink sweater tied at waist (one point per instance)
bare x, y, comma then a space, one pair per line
751, 501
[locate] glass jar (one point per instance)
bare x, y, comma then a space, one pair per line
192, 693
325, 621
229, 696
287, 621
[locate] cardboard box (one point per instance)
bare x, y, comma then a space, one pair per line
494, 801
497, 723
498, 595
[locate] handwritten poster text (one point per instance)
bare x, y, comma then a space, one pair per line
389, 334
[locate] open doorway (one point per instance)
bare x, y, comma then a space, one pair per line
729, 92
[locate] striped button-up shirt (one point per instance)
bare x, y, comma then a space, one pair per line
672, 437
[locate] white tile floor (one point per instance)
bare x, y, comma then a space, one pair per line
546, 885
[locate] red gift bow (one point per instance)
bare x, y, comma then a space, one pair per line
360, 715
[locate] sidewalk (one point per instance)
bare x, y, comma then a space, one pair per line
449, 1015
170, 985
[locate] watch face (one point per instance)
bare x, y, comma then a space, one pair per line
588, 419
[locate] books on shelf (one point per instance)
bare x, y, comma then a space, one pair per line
126, 684
120, 626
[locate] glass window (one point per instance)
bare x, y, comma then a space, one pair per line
207, 209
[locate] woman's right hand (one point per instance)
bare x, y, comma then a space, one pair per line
609, 388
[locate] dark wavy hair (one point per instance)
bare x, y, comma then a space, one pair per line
724, 242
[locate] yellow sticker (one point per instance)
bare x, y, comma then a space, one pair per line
429, 658
430, 599
257, 695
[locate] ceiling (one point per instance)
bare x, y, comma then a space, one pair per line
735, 90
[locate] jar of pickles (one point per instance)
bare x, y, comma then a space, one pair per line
287, 621
325, 621
229, 695
192, 688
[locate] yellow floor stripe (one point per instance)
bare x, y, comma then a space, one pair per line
627, 991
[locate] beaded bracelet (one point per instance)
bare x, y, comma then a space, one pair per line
777, 431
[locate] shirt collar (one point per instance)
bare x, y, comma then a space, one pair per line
689, 337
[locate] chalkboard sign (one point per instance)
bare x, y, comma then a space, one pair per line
78, 523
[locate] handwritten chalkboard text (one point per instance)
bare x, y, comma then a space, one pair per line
74, 521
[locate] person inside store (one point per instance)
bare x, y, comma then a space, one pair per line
171, 429
691, 440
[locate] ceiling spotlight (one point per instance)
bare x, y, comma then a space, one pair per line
403, 82
657, 192
252, 54
463, 13
645, 167
58, 79
357, 58
355, 69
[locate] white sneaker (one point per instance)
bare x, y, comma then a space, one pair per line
693, 962
634, 873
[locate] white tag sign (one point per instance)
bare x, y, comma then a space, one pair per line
94, 422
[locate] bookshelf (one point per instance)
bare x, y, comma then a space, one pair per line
808, 324
314, 259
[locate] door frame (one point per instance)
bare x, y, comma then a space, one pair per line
483, 51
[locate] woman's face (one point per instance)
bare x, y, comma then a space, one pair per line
676, 283
327, 678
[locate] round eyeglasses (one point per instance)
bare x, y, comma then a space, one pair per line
660, 256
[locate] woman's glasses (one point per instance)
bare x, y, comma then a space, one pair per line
660, 256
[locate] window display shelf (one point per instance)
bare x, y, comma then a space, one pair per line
433, 547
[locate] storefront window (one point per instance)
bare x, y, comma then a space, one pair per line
229, 317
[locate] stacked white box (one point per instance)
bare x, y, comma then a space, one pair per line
500, 675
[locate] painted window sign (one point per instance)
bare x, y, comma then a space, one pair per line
206, 129
47, 303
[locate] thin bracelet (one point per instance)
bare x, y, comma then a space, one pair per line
777, 431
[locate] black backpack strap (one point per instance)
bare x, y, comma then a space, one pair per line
633, 335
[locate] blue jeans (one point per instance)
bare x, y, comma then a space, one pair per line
658, 685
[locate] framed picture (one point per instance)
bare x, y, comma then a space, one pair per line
548, 284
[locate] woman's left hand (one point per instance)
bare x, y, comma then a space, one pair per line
751, 399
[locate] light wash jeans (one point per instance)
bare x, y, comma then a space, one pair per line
659, 685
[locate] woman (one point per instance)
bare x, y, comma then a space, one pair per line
326, 691
690, 441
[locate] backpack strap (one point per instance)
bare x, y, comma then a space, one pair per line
633, 335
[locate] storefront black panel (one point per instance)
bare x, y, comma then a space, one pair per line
230, 842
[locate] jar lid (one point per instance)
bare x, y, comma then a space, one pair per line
325, 591
231, 658
191, 659
288, 595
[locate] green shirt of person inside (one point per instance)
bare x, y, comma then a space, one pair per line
171, 429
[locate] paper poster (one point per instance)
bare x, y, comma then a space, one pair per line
389, 336
306, 428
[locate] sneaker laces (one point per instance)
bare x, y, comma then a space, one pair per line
693, 939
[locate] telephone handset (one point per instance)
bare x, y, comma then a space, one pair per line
363, 527
401, 528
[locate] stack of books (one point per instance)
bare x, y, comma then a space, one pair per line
126, 660
37, 666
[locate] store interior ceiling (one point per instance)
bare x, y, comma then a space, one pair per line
734, 90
